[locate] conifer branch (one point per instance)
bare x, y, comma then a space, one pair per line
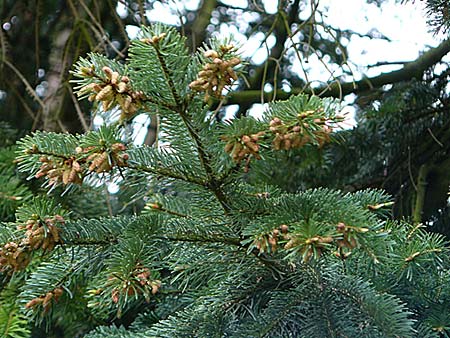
89, 242
210, 239
148, 99
168, 173
281, 315
159, 103
420, 253
158, 207
48, 153
167, 75
262, 264
212, 182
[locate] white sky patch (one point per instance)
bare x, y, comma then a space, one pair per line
113, 187
268, 87
286, 86
164, 13
140, 127
404, 24
250, 16
236, 3
360, 18
254, 49
132, 31
230, 111
257, 110
270, 6
349, 112
191, 5
98, 121
121, 10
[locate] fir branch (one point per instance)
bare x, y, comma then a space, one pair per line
147, 99
212, 183
164, 104
157, 207
411, 257
13, 323
86, 242
166, 172
167, 75
202, 271
209, 239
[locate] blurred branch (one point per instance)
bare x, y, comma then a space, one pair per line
420, 193
387, 63
28, 86
281, 29
410, 70
198, 28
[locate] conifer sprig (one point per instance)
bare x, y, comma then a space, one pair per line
210, 248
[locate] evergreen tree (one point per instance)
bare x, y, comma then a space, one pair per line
35, 92
200, 241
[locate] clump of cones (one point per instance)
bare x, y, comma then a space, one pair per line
114, 89
217, 73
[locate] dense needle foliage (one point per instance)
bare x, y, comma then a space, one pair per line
200, 241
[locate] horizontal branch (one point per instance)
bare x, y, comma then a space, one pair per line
166, 172
410, 70
201, 239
